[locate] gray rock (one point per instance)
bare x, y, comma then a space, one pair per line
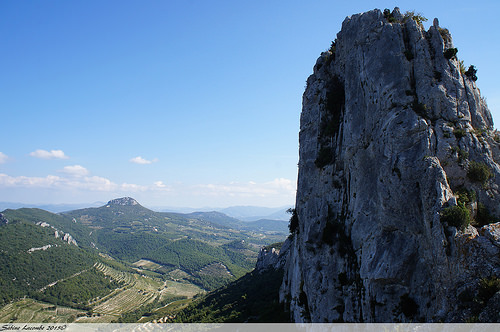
388, 130
124, 201
3, 220
272, 258
491, 313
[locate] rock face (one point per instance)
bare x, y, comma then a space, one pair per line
272, 258
393, 139
124, 201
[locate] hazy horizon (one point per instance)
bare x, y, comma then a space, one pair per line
160, 208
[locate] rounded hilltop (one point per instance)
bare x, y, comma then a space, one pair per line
124, 201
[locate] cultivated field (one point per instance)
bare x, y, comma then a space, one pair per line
137, 290
28, 310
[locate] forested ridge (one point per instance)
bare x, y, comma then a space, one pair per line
65, 259
23, 272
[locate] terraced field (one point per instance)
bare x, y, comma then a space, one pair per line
137, 291
29, 310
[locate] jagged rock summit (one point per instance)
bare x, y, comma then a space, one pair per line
398, 156
124, 201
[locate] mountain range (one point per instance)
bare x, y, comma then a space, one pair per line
243, 213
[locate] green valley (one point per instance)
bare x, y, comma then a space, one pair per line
133, 262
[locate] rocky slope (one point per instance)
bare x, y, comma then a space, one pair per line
123, 201
397, 154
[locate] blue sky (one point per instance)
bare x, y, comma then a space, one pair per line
179, 103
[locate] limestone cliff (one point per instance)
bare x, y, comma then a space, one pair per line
397, 153
272, 257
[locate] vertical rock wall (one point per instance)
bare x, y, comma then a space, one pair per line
389, 129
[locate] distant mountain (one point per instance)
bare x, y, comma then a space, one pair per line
260, 225
217, 218
268, 225
252, 213
243, 213
55, 208
192, 243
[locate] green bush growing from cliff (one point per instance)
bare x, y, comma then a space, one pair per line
333, 46
450, 53
445, 34
293, 226
488, 287
417, 17
483, 216
471, 73
459, 132
462, 67
389, 17
466, 196
478, 172
457, 216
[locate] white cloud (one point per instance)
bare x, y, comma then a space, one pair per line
130, 187
58, 182
141, 161
75, 170
75, 180
95, 183
52, 154
159, 184
276, 187
3, 158
26, 181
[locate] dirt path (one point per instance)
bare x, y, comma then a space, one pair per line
63, 279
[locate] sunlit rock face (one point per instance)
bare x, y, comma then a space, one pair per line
124, 201
391, 133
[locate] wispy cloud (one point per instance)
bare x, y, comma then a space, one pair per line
75, 170
141, 161
90, 183
75, 180
26, 181
159, 184
52, 154
3, 158
278, 186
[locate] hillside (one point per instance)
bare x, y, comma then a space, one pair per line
251, 299
193, 243
35, 255
114, 248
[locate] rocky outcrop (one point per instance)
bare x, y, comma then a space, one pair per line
3, 220
397, 154
66, 237
272, 257
124, 201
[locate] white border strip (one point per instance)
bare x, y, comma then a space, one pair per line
229, 327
